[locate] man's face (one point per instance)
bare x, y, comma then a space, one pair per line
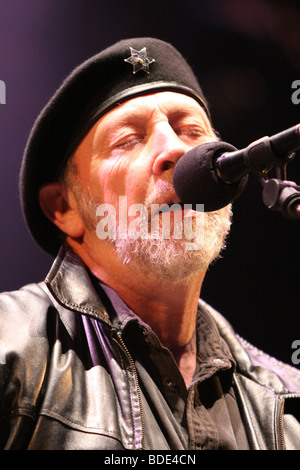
131, 153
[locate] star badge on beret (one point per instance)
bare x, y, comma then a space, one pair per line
139, 60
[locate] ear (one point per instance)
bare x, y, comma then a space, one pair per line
55, 202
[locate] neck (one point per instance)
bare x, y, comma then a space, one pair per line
169, 308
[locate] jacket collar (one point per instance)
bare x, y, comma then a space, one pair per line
69, 282
253, 363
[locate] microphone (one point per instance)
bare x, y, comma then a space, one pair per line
216, 173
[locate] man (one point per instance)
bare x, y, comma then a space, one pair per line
115, 350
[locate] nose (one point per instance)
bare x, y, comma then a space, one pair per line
167, 148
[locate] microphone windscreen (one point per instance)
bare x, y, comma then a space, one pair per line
196, 182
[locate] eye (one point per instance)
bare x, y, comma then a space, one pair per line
190, 132
129, 142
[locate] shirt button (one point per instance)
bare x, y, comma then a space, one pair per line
171, 385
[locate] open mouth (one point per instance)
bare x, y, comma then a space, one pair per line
172, 206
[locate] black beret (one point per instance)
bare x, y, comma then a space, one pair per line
129, 68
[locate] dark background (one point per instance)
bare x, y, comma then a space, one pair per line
246, 54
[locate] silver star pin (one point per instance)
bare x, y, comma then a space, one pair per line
139, 60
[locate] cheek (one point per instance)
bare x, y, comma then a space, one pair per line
138, 182
112, 179
109, 181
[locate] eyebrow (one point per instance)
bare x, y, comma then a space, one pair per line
172, 115
133, 117
138, 114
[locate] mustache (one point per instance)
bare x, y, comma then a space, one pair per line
163, 195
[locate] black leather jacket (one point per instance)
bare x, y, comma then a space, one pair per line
52, 398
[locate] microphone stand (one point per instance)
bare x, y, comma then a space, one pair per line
260, 157
280, 194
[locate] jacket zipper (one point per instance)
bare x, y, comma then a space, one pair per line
280, 413
132, 364
280, 430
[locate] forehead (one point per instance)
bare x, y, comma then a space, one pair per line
145, 107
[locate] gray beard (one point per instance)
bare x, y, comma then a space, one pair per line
168, 258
